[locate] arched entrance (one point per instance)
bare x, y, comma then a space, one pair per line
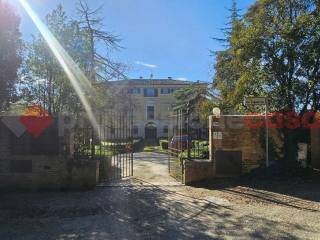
150, 131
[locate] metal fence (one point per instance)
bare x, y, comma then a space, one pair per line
112, 143
188, 139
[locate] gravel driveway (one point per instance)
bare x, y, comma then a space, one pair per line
151, 205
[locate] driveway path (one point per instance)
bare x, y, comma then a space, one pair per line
149, 206
152, 168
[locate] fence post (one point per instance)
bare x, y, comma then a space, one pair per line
188, 134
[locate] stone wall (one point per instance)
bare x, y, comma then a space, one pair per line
83, 174
46, 172
197, 170
229, 134
234, 149
55, 170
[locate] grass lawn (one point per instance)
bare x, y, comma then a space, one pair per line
108, 149
200, 149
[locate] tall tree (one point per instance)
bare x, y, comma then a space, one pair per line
10, 50
278, 48
199, 100
282, 39
46, 83
228, 66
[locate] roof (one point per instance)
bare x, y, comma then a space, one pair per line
155, 82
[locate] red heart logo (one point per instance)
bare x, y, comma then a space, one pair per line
36, 120
36, 124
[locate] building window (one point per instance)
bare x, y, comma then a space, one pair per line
150, 92
167, 90
150, 112
134, 91
165, 129
135, 130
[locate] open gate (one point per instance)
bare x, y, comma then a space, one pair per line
175, 148
112, 144
188, 140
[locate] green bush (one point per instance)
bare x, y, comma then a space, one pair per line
138, 145
164, 144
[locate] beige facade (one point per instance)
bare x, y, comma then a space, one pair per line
152, 101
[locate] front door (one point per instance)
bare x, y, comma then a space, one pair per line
151, 133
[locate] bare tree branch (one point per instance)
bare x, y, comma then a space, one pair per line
100, 64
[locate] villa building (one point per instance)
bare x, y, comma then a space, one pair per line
152, 101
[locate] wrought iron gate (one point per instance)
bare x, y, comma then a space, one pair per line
111, 143
177, 145
188, 140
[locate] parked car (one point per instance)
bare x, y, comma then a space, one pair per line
180, 142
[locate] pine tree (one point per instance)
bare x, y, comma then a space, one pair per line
227, 66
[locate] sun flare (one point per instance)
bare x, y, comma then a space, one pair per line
78, 80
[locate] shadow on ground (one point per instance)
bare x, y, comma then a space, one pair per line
133, 210
299, 193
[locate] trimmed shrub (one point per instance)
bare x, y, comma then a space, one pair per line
164, 144
138, 145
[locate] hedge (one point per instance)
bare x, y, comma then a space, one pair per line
164, 144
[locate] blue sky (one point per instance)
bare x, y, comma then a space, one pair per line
166, 38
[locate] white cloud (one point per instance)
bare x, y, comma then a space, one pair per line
148, 65
182, 79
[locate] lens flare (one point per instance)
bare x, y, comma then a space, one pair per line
78, 80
